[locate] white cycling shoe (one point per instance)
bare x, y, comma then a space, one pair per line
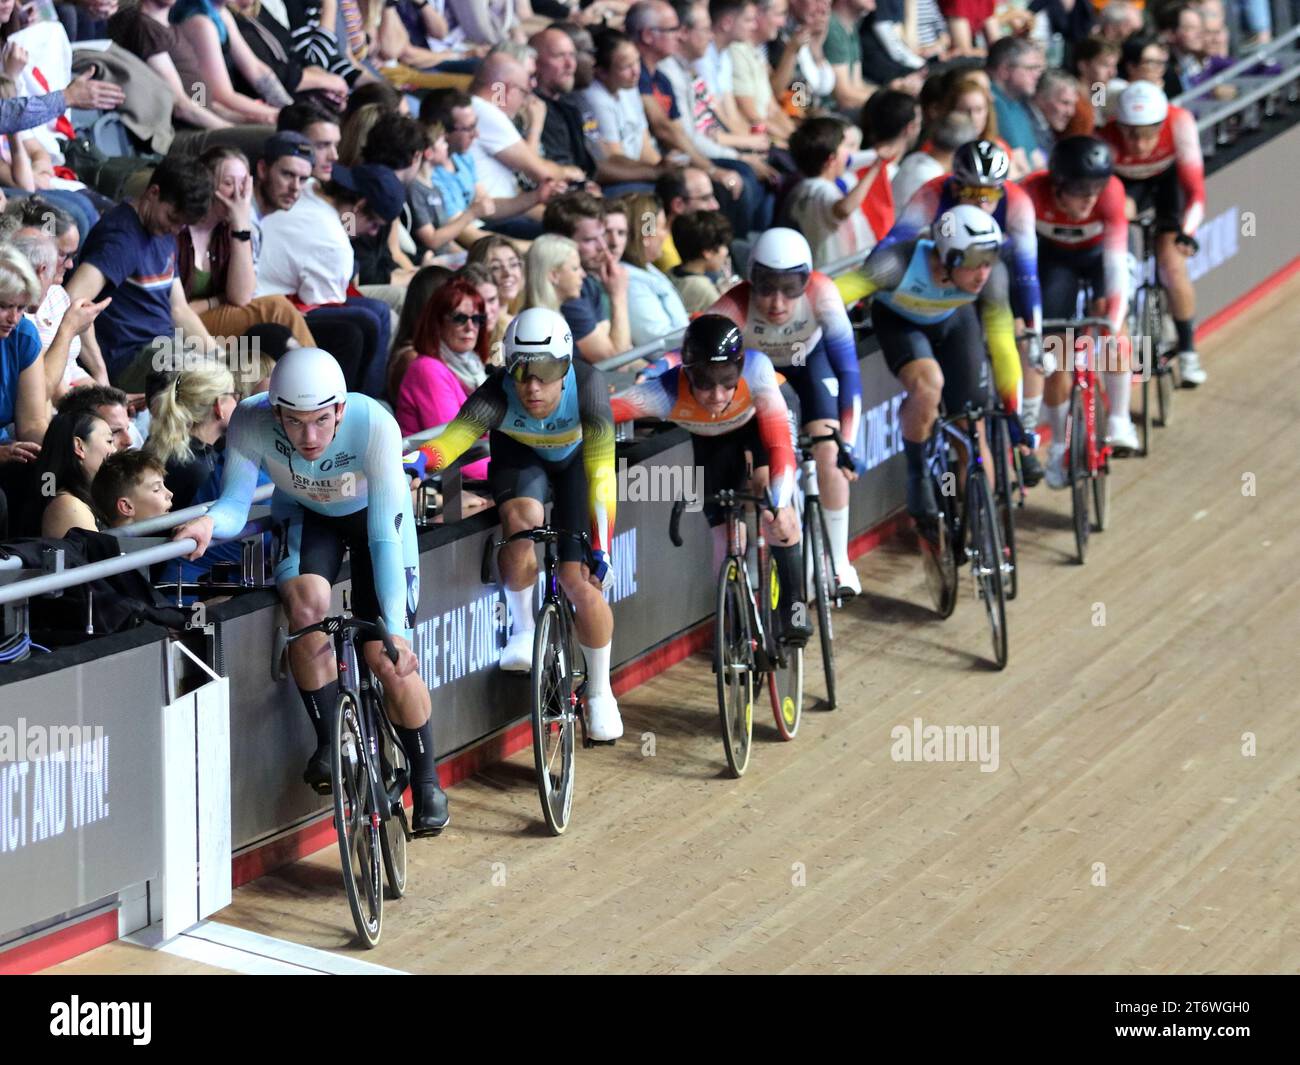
517, 655
1121, 436
604, 722
848, 581
1055, 473
1189, 367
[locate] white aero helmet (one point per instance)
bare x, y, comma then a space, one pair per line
967, 236
307, 379
538, 343
780, 250
1142, 104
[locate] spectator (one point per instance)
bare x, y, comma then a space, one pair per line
457, 179
319, 126
59, 331
844, 53
622, 129
803, 69
307, 255
616, 226
1014, 67
682, 191
704, 240
831, 219
36, 212
130, 487
282, 173
190, 417
1182, 31
131, 255
1144, 58
1256, 20
934, 157
498, 93
554, 272
450, 361
1096, 62
501, 257
654, 308
432, 227
74, 447
355, 131
968, 95
480, 277
271, 43
397, 142
84, 20
730, 22
215, 258
930, 38
891, 121
23, 397
108, 403
584, 67
885, 59
968, 18
1069, 18
1053, 107
427, 281
751, 76
598, 314
886, 27
1118, 21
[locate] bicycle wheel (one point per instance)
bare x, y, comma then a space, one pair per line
1165, 393
817, 556
357, 824
733, 662
940, 557
1101, 500
1000, 444
554, 708
785, 677
392, 842
985, 559
1077, 457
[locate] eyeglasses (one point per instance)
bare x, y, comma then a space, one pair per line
547, 370
979, 194
973, 258
460, 318
719, 375
463, 129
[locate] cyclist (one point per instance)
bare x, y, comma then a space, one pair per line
1083, 238
729, 400
795, 316
551, 429
335, 458
926, 325
1158, 157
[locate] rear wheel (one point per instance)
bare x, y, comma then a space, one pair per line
1165, 394
785, 674
733, 662
392, 841
939, 549
817, 554
1003, 493
554, 709
358, 825
985, 561
1077, 456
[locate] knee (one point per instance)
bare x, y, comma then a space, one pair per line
306, 606
926, 385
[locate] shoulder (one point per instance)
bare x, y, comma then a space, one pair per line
25, 342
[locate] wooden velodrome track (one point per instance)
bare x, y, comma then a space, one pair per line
1124, 830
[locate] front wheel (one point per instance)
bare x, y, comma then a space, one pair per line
785, 673
1079, 474
1003, 492
940, 555
818, 562
733, 662
985, 562
554, 711
357, 823
392, 841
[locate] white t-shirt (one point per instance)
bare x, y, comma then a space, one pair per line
715, 68
619, 117
811, 211
913, 172
496, 133
305, 252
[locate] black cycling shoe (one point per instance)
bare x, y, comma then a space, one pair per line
921, 503
317, 773
430, 814
1031, 469
795, 635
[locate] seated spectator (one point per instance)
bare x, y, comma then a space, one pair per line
751, 75
934, 157
190, 416
271, 43
215, 258
74, 447
831, 219
130, 487
654, 308
397, 142
433, 228
616, 226
968, 19
1052, 108
456, 179
929, 38
682, 191
1014, 67
355, 131
844, 53
712, 30
451, 357
131, 255
22, 370
36, 212
885, 39
598, 315
501, 257
108, 403
427, 280
319, 126
612, 98
1143, 57
480, 277
804, 76
891, 121
554, 272
1118, 21
704, 240
283, 170
307, 255
1180, 27
1096, 62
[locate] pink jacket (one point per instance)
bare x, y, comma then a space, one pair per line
431, 395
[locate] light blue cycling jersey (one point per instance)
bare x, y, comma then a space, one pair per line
918, 296
361, 469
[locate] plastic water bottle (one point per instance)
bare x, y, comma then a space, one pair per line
41, 11
1056, 51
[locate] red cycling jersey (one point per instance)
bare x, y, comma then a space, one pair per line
1179, 146
1105, 225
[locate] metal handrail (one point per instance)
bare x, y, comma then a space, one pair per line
1237, 69
1232, 107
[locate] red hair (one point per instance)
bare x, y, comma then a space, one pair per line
444, 301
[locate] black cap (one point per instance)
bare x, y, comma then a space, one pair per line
379, 186
288, 143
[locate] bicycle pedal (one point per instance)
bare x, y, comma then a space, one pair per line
587, 741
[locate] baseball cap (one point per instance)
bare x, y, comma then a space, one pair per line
287, 143
379, 186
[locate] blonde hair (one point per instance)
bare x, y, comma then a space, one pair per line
642, 208
549, 251
356, 131
17, 279
183, 405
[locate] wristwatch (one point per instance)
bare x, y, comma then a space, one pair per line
242, 234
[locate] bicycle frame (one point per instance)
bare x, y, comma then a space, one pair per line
1086, 385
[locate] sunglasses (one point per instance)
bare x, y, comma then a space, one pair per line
979, 194
973, 258
547, 370
459, 318
706, 377
790, 285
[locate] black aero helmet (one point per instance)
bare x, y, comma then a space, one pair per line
1081, 162
712, 339
982, 163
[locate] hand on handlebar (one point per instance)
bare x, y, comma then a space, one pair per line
1188, 245
783, 526
601, 574
846, 462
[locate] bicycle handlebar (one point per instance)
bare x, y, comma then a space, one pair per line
544, 534
806, 443
727, 497
339, 623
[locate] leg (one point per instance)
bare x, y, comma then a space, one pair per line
518, 482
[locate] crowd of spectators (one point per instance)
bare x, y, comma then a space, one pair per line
394, 181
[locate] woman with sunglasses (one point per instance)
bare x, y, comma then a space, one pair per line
796, 317
451, 355
551, 434
728, 399
925, 322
